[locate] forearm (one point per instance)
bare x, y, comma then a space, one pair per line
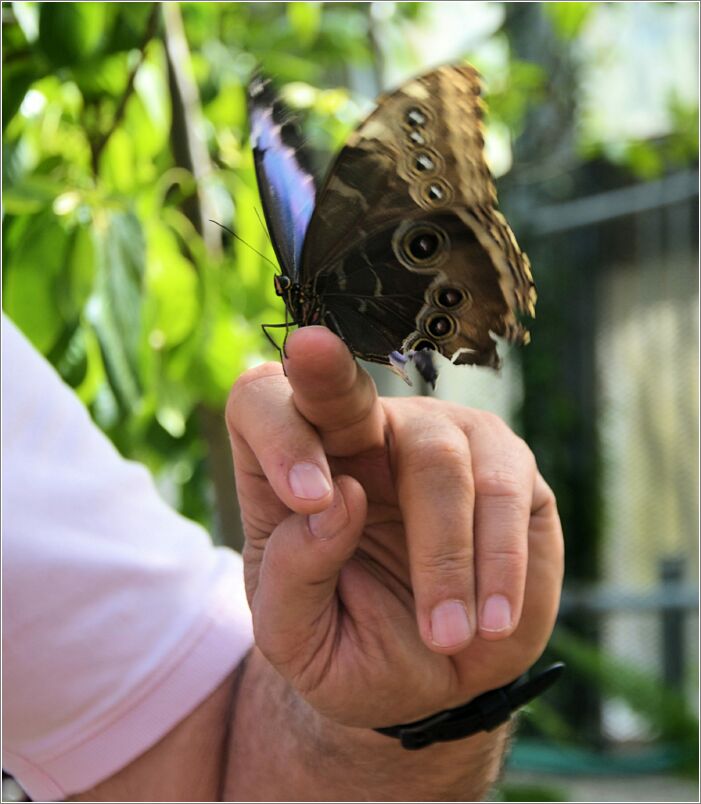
280, 749
186, 765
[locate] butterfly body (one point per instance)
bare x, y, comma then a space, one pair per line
402, 249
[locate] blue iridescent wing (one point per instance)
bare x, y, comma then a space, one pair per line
286, 185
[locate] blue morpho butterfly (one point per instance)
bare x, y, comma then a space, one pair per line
401, 252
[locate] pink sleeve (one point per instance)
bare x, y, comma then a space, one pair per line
119, 616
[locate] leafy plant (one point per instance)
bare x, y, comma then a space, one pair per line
666, 710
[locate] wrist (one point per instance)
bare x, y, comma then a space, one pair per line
484, 713
463, 770
281, 747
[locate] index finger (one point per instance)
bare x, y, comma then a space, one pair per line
333, 393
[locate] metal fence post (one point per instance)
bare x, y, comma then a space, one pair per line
671, 574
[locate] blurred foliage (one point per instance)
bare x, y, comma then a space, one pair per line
103, 270
568, 18
651, 158
666, 711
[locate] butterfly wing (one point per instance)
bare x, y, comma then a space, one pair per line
406, 248
287, 188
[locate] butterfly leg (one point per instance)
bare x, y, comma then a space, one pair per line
336, 328
281, 351
272, 341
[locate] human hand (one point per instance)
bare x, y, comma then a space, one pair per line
371, 595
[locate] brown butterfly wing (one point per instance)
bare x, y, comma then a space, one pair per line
405, 247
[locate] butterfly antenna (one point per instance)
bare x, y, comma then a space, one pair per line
240, 239
263, 226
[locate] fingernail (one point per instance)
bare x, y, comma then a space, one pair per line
449, 624
496, 614
308, 482
329, 522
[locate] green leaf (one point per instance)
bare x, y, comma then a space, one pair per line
510, 100
209, 363
174, 406
230, 342
32, 276
117, 162
17, 78
305, 21
152, 90
27, 15
101, 78
228, 109
665, 708
30, 195
171, 282
71, 33
128, 26
94, 377
114, 309
644, 159
81, 267
568, 18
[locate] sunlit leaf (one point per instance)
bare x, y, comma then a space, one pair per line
80, 267
228, 109
568, 18
32, 273
118, 162
305, 20
16, 80
644, 159
27, 16
509, 101
151, 88
30, 195
94, 377
98, 81
174, 406
171, 282
230, 340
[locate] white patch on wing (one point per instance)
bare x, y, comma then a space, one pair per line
417, 90
375, 130
460, 351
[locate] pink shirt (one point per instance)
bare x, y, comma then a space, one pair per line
119, 616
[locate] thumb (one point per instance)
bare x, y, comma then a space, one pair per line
295, 610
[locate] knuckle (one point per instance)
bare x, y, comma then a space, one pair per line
247, 387
549, 499
485, 421
525, 454
502, 482
500, 429
346, 412
493, 421
437, 453
505, 559
452, 563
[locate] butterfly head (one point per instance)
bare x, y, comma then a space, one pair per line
302, 305
283, 285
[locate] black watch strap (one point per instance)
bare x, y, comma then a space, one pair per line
483, 713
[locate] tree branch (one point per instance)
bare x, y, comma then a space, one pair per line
190, 152
98, 147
